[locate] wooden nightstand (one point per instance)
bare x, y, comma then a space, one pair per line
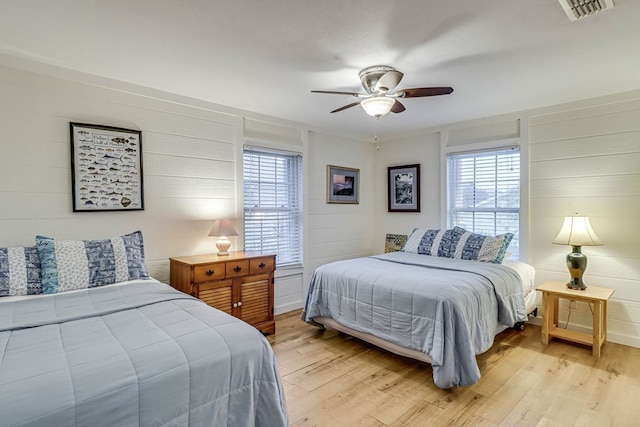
240, 284
553, 291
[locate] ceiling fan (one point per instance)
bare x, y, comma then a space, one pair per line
378, 82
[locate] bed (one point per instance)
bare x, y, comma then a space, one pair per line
441, 310
135, 352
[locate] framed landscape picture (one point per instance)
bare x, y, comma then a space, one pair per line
106, 168
342, 184
404, 188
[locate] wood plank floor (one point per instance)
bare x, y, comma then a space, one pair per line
331, 379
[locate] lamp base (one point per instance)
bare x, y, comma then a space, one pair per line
576, 286
577, 264
223, 245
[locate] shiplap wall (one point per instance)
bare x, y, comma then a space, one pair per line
191, 152
422, 149
587, 161
581, 157
337, 231
188, 163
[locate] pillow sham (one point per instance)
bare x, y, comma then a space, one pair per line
423, 241
440, 243
79, 264
477, 247
20, 271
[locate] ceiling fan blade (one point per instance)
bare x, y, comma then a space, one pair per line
353, 104
425, 91
333, 92
388, 81
397, 107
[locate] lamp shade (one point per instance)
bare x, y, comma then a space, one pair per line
577, 231
377, 106
223, 227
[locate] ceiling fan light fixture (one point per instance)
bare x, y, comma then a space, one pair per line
377, 106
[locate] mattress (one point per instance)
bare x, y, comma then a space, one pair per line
139, 353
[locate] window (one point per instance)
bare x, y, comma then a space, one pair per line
483, 193
273, 204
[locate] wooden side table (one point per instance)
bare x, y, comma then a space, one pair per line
551, 294
240, 284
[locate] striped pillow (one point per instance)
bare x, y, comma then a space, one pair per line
20, 271
80, 264
476, 247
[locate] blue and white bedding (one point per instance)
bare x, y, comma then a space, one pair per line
449, 309
134, 354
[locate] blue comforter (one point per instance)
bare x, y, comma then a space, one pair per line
447, 308
139, 354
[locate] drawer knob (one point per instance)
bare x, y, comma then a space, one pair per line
235, 305
240, 304
209, 272
262, 265
237, 269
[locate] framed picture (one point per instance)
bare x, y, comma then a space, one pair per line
106, 168
342, 184
404, 188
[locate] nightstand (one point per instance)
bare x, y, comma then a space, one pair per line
240, 284
551, 294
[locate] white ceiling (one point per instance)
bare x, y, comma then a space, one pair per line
266, 56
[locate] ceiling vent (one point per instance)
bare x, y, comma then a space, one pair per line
577, 9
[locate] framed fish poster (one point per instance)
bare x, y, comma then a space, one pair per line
106, 168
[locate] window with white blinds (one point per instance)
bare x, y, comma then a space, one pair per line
483, 192
273, 204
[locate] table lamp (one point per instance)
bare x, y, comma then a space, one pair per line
577, 232
222, 228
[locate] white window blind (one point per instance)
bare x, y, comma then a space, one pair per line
273, 204
483, 193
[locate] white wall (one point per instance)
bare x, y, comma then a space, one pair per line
338, 231
586, 160
192, 154
425, 150
580, 157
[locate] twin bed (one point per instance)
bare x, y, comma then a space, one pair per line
132, 352
444, 308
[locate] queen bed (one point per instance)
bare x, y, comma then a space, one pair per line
134, 352
423, 304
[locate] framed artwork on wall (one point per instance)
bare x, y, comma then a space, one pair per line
106, 168
404, 188
343, 185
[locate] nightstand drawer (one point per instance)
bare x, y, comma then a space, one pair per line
237, 268
208, 272
261, 265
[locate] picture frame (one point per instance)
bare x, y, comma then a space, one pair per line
404, 188
343, 185
106, 168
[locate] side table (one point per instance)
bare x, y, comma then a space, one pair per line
551, 294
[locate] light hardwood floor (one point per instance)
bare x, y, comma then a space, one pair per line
331, 379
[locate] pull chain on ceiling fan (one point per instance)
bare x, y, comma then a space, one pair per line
378, 81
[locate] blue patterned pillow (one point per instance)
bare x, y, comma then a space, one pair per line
476, 247
423, 241
20, 271
79, 264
